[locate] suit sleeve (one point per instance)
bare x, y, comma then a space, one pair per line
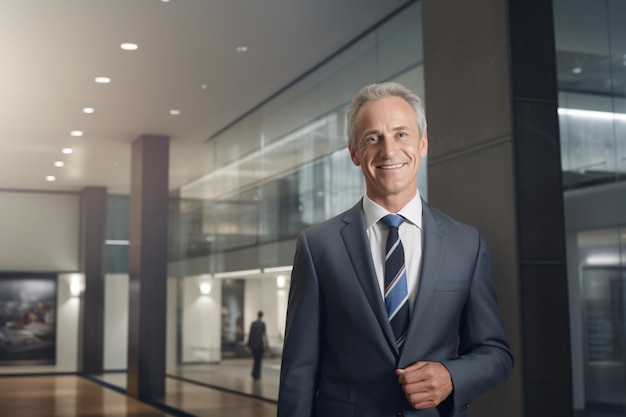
484, 357
300, 359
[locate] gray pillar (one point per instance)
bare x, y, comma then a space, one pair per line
148, 267
93, 219
494, 162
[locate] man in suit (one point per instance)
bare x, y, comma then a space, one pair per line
257, 341
352, 350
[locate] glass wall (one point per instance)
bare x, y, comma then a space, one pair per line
591, 61
279, 169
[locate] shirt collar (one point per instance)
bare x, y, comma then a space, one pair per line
412, 212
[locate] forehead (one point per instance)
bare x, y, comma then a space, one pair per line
386, 110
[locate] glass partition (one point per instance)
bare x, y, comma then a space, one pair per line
280, 168
604, 306
591, 64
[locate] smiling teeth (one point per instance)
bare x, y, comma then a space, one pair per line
391, 166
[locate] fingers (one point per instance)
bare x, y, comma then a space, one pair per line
425, 384
410, 369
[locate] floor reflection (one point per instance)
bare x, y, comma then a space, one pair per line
205, 390
235, 375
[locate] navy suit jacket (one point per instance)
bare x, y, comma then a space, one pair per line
339, 353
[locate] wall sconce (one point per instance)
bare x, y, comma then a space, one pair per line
76, 285
205, 288
280, 281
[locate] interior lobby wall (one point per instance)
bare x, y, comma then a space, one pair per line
40, 231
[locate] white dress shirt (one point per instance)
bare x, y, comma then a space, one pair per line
411, 236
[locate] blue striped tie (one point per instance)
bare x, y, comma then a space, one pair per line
396, 292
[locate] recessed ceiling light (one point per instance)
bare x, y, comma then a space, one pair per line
102, 80
242, 49
175, 112
129, 46
165, 1
50, 178
67, 151
76, 133
204, 86
88, 110
59, 164
577, 70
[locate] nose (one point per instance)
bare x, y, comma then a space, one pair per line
388, 147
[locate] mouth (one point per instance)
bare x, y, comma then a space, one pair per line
392, 166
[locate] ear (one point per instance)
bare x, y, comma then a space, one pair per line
353, 155
423, 150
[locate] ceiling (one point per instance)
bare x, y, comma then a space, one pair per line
187, 59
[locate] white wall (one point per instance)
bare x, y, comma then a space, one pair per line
40, 231
115, 322
68, 308
263, 294
201, 320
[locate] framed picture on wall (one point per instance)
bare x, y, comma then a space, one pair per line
27, 318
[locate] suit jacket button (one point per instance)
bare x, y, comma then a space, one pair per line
399, 413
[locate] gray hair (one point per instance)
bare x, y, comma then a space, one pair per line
376, 92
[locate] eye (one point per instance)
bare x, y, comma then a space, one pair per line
372, 139
402, 134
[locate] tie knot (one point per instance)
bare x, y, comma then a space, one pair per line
392, 220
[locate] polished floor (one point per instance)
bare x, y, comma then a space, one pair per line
224, 390
66, 396
220, 390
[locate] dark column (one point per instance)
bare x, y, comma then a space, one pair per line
93, 220
541, 238
148, 267
495, 163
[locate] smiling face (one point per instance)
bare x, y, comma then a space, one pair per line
388, 150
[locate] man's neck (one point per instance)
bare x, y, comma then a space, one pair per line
393, 203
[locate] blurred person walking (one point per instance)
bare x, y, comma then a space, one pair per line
257, 342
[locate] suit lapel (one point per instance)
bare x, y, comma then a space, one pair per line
355, 240
432, 257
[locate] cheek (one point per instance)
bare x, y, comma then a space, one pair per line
416, 150
361, 157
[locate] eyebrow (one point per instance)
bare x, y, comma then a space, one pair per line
370, 132
376, 132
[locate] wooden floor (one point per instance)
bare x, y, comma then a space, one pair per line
74, 396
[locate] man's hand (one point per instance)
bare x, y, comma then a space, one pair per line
426, 384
